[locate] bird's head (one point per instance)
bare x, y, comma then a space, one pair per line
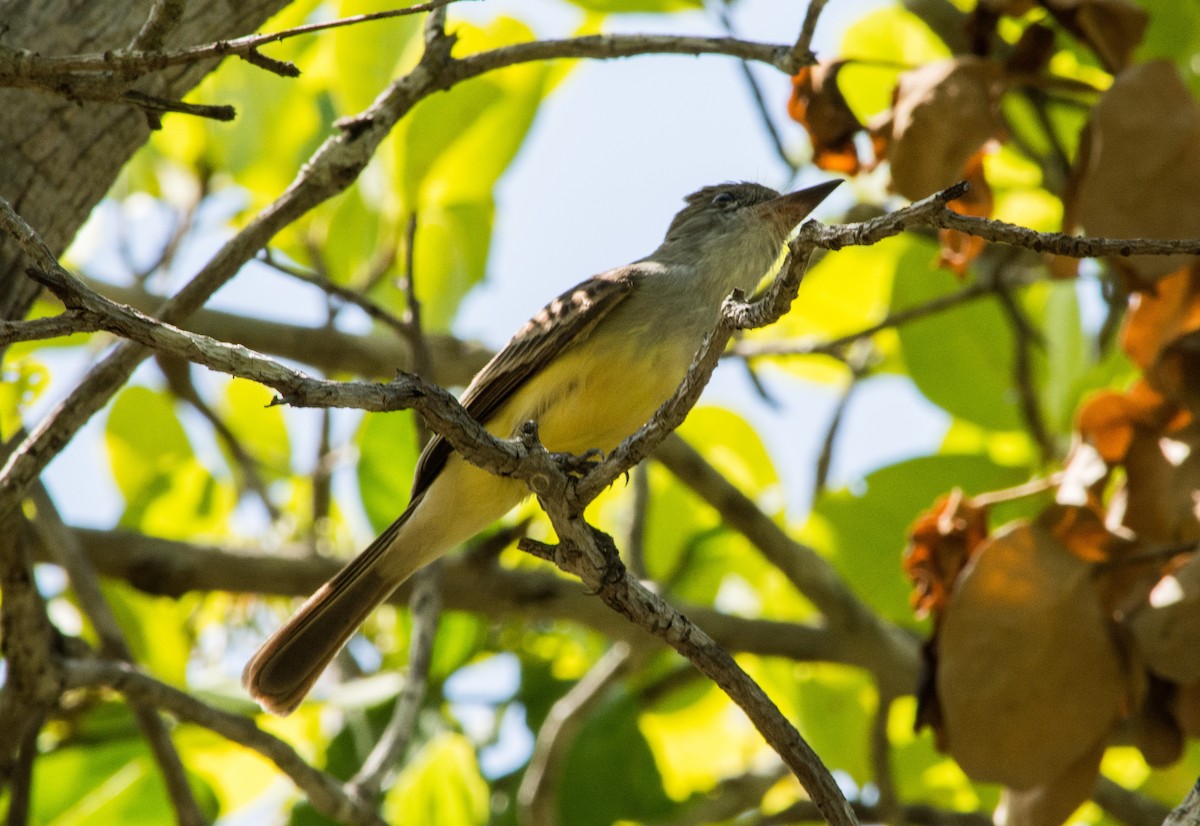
741, 225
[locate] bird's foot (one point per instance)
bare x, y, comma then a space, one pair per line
578, 464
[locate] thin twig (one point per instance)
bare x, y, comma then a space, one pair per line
114, 646
324, 792
636, 540
881, 763
801, 54
764, 112
163, 18
20, 783
17, 66
347, 294
425, 604
825, 457
39, 329
537, 796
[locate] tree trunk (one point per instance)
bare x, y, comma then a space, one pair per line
58, 158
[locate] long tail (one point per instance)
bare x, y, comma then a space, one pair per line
288, 663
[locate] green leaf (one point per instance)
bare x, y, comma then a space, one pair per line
893, 34
835, 705
259, 426
357, 61
878, 47
145, 441
22, 380
1173, 34
460, 637
922, 772
445, 159
637, 6
101, 783
609, 753
961, 358
155, 628
451, 255
1065, 355
864, 532
441, 785
845, 292
387, 444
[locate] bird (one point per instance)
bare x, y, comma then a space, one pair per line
590, 368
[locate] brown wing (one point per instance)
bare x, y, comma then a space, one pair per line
543, 337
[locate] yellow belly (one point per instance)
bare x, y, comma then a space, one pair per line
594, 396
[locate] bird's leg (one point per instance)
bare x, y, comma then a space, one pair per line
578, 465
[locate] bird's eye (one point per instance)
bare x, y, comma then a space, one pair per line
723, 200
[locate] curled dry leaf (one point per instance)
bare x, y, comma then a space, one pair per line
1137, 173
1161, 335
1166, 629
940, 543
944, 112
959, 249
1162, 485
817, 104
1109, 419
1158, 316
1028, 676
1112, 28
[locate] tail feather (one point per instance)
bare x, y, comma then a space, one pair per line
291, 660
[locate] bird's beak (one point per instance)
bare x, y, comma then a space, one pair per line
789, 210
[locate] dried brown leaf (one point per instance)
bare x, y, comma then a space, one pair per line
817, 104
1137, 174
944, 112
1166, 628
958, 249
1052, 802
940, 543
1112, 28
1020, 635
1162, 485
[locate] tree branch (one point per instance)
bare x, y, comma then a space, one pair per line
323, 791
537, 796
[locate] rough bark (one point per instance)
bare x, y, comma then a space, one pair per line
58, 158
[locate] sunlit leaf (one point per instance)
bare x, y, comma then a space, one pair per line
155, 628
611, 751
868, 529
960, 358
96, 784
441, 784
1173, 33
637, 6
835, 706
842, 294
445, 159
145, 440
681, 731
387, 444
893, 34
258, 425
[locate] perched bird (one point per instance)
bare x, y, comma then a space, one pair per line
591, 368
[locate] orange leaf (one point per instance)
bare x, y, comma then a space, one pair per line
1137, 172
944, 112
940, 544
959, 249
817, 104
1107, 420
